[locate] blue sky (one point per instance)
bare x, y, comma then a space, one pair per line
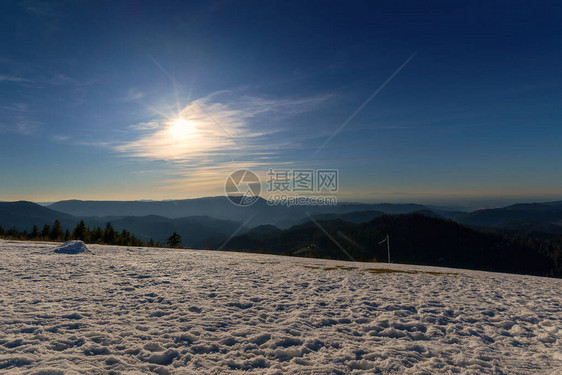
87, 112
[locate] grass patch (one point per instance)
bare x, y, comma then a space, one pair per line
339, 268
388, 270
381, 270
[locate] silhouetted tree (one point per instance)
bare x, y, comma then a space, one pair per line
45, 231
96, 236
34, 232
13, 233
56, 231
80, 231
124, 238
109, 235
174, 240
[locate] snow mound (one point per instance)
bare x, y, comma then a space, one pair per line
72, 247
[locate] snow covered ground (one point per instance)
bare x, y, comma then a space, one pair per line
135, 310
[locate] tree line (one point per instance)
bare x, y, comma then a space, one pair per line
97, 235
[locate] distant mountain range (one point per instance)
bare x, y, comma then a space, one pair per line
194, 219
24, 215
221, 208
197, 220
527, 218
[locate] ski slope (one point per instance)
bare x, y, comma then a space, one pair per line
137, 310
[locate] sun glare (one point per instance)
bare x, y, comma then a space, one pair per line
181, 128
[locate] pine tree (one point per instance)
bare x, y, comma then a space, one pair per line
80, 231
125, 238
13, 233
34, 232
66, 235
56, 232
174, 240
45, 231
109, 235
96, 236
136, 242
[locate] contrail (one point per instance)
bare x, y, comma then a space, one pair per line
236, 231
331, 238
375, 93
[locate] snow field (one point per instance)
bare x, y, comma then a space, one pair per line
166, 311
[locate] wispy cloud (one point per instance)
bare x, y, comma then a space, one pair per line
66, 139
199, 153
60, 138
59, 79
14, 79
41, 8
204, 178
20, 126
52, 79
133, 95
17, 119
196, 135
16, 107
144, 126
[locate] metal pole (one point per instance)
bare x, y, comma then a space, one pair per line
388, 247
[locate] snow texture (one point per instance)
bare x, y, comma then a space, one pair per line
167, 311
72, 247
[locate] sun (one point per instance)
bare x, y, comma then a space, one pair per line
180, 128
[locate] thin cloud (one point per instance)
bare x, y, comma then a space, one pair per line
18, 120
150, 125
59, 79
21, 126
133, 95
60, 138
68, 140
198, 134
42, 8
54, 79
198, 153
16, 107
14, 79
